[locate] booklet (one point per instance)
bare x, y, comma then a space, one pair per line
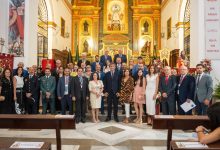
191, 145
188, 106
35, 145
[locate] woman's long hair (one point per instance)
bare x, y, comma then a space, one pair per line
3, 73
213, 113
155, 70
141, 78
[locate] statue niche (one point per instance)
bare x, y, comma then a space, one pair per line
85, 46
145, 51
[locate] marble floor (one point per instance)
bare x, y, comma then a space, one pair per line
101, 136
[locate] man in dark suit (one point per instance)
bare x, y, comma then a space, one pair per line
203, 90
119, 66
83, 60
105, 57
55, 71
185, 89
48, 86
24, 73
111, 90
64, 92
93, 65
31, 88
167, 87
120, 55
101, 77
80, 93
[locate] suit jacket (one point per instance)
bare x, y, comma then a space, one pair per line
101, 76
112, 84
135, 70
186, 89
31, 85
76, 89
168, 88
103, 60
123, 58
204, 89
93, 66
48, 85
80, 61
61, 86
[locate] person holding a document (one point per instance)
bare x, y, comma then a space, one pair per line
185, 90
206, 137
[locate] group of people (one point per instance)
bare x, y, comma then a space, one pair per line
82, 85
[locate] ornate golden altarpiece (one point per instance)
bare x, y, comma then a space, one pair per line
130, 25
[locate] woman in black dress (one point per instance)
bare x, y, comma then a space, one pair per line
6, 90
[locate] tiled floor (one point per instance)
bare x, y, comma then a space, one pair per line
108, 136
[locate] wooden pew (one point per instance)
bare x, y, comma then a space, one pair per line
179, 122
213, 146
56, 122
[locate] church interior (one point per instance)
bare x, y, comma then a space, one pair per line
171, 33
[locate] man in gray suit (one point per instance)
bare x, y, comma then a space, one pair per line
203, 91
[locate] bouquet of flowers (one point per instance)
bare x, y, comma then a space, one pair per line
207, 64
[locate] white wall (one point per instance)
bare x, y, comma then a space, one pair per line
171, 9
197, 43
56, 41
4, 23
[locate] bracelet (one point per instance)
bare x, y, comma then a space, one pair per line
198, 131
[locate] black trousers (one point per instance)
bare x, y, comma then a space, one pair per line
81, 107
112, 99
32, 105
66, 101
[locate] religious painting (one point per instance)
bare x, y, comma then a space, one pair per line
116, 16
16, 27
62, 22
146, 46
169, 28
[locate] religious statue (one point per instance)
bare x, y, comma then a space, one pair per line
86, 46
145, 51
146, 26
116, 17
86, 27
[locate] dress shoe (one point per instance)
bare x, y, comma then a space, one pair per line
83, 120
107, 119
116, 119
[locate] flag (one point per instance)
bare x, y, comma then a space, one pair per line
69, 57
77, 54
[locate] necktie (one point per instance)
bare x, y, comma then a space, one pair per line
181, 79
81, 81
30, 76
198, 79
112, 73
166, 79
67, 80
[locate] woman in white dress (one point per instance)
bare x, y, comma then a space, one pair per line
95, 88
151, 93
18, 82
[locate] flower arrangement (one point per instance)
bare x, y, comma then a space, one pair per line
207, 64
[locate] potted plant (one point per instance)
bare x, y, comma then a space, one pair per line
216, 94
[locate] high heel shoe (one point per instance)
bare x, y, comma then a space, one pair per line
135, 120
139, 121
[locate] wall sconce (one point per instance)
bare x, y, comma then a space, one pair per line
67, 35
2, 43
162, 35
